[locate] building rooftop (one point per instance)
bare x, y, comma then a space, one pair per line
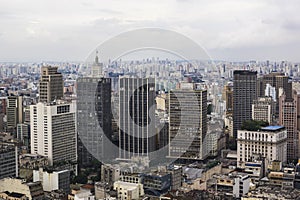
14, 194
272, 128
244, 72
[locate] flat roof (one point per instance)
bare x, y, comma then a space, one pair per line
272, 128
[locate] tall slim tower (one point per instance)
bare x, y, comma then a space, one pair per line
14, 111
244, 92
51, 84
93, 113
228, 97
188, 119
97, 67
136, 117
288, 118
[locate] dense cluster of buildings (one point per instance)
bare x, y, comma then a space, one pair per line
149, 129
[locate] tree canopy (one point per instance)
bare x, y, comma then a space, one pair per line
254, 125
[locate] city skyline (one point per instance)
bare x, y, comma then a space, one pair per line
174, 99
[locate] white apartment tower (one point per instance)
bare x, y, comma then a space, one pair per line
53, 132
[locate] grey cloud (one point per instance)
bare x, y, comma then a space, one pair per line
292, 25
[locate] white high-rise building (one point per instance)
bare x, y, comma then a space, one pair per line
53, 132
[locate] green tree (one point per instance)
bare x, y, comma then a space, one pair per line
81, 178
253, 125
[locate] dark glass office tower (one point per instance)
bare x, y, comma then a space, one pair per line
94, 117
136, 117
244, 92
188, 122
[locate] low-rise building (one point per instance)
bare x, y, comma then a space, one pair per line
110, 174
176, 176
128, 191
281, 179
32, 161
156, 183
32, 191
57, 180
8, 160
233, 185
12, 196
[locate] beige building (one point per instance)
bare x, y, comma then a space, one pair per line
288, 117
234, 185
128, 191
263, 109
33, 191
161, 102
12, 196
227, 96
110, 174
51, 84
269, 142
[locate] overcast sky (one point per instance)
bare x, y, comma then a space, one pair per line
228, 29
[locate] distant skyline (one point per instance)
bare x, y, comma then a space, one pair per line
232, 30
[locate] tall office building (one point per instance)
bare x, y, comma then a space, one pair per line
93, 114
277, 80
136, 117
23, 129
8, 160
14, 112
23, 134
288, 118
263, 109
228, 97
188, 122
51, 84
53, 133
244, 92
3, 105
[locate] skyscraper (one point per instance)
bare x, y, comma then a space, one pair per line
93, 112
14, 113
136, 117
278, 80
263, 109
97, 67
53, 133
188, 119
244, 92
228, 97
51, 84
288, 118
